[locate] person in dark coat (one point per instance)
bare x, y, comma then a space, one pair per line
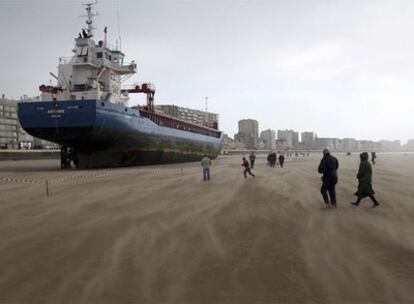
328, 168
281, 160
273, 159
373, 157
364, 177
252, 158
246, 166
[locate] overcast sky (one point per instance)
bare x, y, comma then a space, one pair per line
338, 68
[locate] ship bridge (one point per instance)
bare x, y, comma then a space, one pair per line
95, 71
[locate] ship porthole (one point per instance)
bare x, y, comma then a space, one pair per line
102, 104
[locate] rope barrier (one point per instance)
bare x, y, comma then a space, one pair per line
63, 179
159, 172
17, 180
55, 180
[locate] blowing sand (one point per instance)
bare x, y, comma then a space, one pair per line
160, 235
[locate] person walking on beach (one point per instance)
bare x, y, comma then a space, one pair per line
364, 177
373, 157
273, 159
328, 167
281, 160
246, 166
206, 163
252, 158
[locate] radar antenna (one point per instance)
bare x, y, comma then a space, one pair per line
89, 17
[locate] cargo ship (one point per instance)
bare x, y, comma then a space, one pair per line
87, 113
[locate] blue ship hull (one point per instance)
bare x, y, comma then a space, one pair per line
104, 134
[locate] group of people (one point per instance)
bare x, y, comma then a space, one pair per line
206, 163
328, 167
272, 160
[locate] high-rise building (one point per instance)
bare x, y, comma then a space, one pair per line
194, 116
248, 133
308, 140
295, 139
289, 138
269, 139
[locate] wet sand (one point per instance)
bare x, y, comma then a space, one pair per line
159, 234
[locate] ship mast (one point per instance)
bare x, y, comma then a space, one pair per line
89, 17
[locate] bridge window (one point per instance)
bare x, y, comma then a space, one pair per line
84, 51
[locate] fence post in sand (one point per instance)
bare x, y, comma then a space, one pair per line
182, 173
47, 187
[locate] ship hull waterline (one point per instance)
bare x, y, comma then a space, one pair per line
103, 134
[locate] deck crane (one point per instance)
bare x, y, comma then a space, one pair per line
146, 88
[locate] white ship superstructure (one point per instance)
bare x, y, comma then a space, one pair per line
95, 71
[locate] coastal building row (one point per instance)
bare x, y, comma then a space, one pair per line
203, 118
352, 144
248, 135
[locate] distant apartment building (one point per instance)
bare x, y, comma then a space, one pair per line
410, 144
295, 139
12, 135
232, 144
326, 142
366, 145
248, 133
9, 124
269, 139
308, 140
289, 138
349, 145
194, 116
388, 145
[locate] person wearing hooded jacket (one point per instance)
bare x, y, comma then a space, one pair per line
364, 177
328, 167
246, 166
252, 158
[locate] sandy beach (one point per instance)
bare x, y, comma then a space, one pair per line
159, 234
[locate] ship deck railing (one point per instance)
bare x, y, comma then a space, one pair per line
124, 66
